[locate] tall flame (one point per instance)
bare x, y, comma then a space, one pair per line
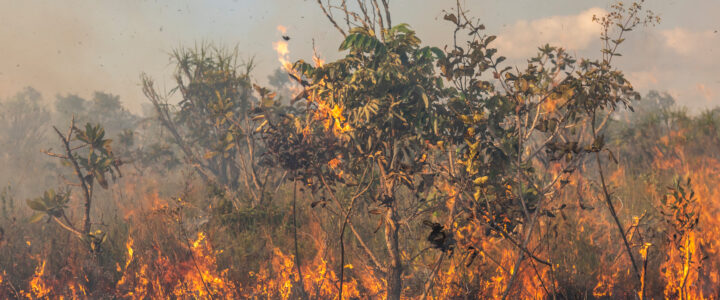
38, 286
282, 48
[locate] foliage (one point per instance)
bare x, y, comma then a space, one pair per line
51, 203
680, 209
210, 125
90, 156
23, 128
369, 114
381, 109
102, 108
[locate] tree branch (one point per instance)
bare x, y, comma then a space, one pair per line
86, 186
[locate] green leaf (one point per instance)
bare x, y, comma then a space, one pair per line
36, 204
438, 53
348, 42
36, 217
362, 42
403, 27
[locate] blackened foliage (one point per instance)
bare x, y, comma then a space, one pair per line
440, 238
302, 155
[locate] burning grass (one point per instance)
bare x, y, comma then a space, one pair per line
164, 251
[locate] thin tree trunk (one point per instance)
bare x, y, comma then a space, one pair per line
86, 186
303, 295
395, 270
613, 213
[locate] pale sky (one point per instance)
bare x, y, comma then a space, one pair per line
79, 46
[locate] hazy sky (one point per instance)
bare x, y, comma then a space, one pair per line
78, 46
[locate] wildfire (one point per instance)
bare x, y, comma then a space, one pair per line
689, 272
197, 276
280, 280
319, 62
206, 281
555, 100
283, 51
588, 258
38, 286
130, 253
331, 116
334, 164
604, 286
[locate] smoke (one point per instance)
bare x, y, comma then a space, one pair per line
83, 46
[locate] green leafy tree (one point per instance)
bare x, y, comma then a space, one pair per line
364, 126
209, 125
382, 110
515, 128
88, 153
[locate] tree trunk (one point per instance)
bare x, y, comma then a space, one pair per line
395, 269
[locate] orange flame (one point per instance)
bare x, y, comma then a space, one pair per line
283, 51
38, 286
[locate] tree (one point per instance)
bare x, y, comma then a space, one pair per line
515, 131
23, 121
210, 124
103, 108
69, 105
90, 156
382, 110
22, 118
365, 123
